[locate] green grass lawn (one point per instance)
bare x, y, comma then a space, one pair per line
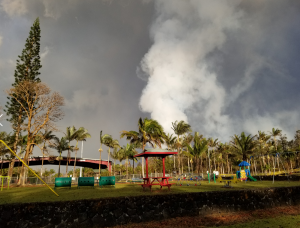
288, 221
43, 194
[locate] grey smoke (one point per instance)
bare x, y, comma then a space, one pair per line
208, 62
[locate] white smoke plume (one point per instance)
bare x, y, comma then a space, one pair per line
183, 84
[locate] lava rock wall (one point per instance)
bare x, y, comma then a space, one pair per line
113, 211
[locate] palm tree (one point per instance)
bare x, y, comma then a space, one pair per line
116, 155
261, 140
200, 146
275, 133
212, 144
80, 135
46, 137
243, 144
110, 143
170, 141
179, 129
60, 145
128, 151
70, 135
135, 145
102, 139
187, 140
150, 131
131, 157
224, 149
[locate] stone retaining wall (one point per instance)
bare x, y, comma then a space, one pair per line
122, 210
278, 178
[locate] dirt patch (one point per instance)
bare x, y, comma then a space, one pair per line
218, 219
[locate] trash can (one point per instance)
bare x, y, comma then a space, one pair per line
86, 181
107, 181
63, 182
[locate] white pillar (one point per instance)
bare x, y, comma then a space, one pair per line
81, 158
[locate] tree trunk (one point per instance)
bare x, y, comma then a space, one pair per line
214, 160
75, 162
133, 165
114, 166
108, 162
68, 158
174, 163
179, 172
126, 169
59, 168
1, 165
209, 165
143, 162
23, 169
201, 165
261, 165
12, 163
181, 164
100, 162
269, 164
42, 164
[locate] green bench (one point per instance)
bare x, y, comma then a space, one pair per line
86, 181
62, 182
107, 181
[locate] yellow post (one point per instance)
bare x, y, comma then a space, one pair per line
29, 168
8, 178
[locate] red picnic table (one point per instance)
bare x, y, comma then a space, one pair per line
162, 181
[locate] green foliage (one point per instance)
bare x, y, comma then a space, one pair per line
28, 68
244, 145
181, 127
150, 131
60, 145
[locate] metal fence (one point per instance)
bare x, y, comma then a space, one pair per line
119, 178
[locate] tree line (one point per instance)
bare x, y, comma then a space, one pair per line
200, 154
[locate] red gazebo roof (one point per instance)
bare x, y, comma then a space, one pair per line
156, 153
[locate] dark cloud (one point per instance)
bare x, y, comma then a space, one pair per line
91, 51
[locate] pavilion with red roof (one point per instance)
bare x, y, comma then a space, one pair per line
162, 181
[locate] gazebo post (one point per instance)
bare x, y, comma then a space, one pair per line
146, 158
163, 161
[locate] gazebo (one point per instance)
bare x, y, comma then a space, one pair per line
162, 181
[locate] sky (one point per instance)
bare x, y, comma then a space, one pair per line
222, 66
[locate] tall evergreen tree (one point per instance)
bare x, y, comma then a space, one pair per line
28, 68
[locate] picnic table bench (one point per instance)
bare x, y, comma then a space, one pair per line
227, 182
162, 181
136, 180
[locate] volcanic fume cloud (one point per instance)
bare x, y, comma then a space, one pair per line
184, 69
